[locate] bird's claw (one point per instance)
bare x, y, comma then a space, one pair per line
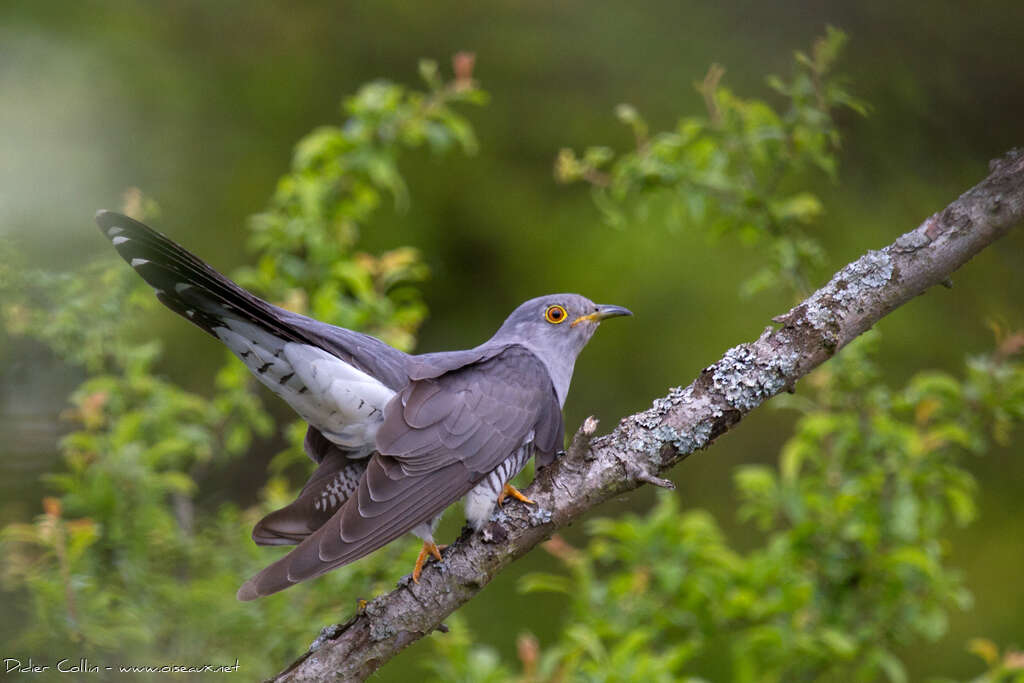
509, 490
429, 548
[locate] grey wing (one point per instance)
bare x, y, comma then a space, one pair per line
337, 380
439, 438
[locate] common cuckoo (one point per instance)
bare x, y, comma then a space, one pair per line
396, 438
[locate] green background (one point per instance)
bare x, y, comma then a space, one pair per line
199, 104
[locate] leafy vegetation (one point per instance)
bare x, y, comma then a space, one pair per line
852, 559
741, 169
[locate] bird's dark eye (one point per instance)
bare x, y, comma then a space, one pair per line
555, 314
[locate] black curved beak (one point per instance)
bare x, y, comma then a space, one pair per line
603, 311
611, 312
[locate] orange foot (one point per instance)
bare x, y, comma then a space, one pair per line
429, 548
509, 490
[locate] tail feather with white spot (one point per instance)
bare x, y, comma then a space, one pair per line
332, 394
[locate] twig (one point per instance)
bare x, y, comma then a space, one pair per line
580, 443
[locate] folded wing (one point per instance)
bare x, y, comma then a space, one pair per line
440, 436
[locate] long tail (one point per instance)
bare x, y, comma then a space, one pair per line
328, 389
197, 292
185, 284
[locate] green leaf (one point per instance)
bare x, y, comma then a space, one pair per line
803, 207
539, 583
841, 644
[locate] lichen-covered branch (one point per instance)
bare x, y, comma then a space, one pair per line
645, 445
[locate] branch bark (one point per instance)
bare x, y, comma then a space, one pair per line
688, 419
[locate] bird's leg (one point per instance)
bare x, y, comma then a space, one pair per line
429, 548
509, 490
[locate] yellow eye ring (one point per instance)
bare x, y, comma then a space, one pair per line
555, 314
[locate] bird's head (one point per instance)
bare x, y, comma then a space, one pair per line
557, 324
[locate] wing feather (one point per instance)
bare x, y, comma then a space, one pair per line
478, 416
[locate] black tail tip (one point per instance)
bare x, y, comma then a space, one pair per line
107, 219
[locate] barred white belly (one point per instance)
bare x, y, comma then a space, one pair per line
481, 500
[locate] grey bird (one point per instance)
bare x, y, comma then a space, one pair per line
396, 438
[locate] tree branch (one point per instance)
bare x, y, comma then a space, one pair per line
647, 444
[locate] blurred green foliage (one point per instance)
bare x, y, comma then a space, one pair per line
339, 176
743, 168
852, 561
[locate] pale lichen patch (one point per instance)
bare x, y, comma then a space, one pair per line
326, 633
820, 315
539, 516
380, 627
871, 271
915, 239
746, 380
